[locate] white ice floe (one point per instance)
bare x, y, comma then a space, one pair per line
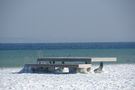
114, 77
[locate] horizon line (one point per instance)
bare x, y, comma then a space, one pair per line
56, 42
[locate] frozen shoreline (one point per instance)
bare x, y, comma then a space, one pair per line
114, 77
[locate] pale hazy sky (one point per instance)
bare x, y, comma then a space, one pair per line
67, 20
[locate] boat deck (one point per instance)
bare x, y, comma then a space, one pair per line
81, 64
51, 65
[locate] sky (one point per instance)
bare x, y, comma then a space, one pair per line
43, 21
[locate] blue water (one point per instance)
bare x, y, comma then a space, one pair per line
12, 55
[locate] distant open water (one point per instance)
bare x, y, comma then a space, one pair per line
12, 55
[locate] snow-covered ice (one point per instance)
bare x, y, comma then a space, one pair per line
114, 77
